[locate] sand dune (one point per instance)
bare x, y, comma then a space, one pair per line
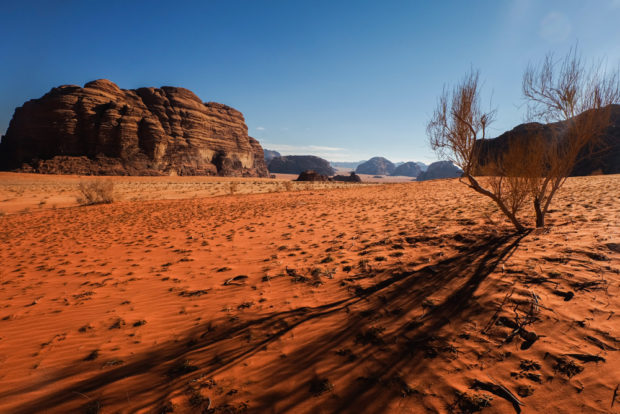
412, 298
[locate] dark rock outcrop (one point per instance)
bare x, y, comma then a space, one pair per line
269, 155
311, 175
102, 129
604, 158
376, 166
440, 169
296, 164
352, 178
408, 169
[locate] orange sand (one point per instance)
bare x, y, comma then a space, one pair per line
384, 298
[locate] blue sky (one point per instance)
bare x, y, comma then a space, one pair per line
346, 80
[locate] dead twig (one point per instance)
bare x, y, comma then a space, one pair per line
500, 391
497, 311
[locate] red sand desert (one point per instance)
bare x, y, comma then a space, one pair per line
400, 298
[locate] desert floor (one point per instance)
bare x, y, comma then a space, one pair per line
394, 298
21, 193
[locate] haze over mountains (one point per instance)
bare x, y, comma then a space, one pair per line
374, 166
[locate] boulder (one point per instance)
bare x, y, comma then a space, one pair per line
352, 178
311, 175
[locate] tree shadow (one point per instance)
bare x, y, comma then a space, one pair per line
392, 295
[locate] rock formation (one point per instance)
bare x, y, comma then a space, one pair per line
408, 169
311, 175
295, 164
604, 158
440, 169
102, 129
269, 155
376, 166
351, 178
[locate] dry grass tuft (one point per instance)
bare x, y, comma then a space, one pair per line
96, 192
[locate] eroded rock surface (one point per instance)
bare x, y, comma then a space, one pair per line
102, 129
602, 158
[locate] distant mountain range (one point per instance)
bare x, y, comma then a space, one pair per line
294, 164
344, 164
440, 169
355, 164
383, 166
269, 155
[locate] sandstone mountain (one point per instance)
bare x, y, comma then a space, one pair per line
440, 169
408, 169
296, 164
102, 129
604, 158
376, 166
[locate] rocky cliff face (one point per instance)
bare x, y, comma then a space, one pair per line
102, 129
440, 169
376, 166
296, 164
604, 158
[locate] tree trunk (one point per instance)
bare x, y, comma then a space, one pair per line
513, 219
540, 215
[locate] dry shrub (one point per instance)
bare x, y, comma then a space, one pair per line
535, 168
96, 192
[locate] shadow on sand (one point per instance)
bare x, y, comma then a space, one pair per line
389, 300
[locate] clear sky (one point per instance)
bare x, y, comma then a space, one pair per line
346, 80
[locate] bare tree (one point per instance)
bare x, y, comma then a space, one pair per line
457, 124
578, 97
534, 167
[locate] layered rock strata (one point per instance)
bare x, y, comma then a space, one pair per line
102, 129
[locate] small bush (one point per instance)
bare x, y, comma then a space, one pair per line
96, 192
